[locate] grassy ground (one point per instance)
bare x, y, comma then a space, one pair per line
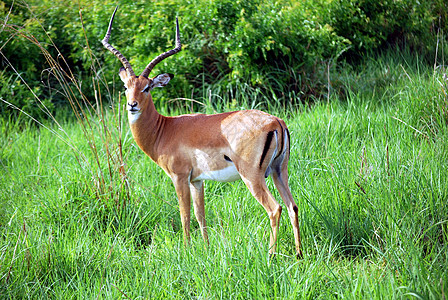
368, 171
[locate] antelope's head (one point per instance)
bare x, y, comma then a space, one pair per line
138, 88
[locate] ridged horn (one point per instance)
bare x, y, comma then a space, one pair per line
162, 56
117, 53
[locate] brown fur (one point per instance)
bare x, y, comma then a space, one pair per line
186, 146
247, 144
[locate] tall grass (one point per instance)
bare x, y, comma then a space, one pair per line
85, 214
90, 114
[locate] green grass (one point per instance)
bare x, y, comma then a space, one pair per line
368, 171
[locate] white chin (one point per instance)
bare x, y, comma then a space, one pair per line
133, 116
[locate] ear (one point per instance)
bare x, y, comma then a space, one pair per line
161, 80
123, 74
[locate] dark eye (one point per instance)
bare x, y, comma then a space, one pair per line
146, 89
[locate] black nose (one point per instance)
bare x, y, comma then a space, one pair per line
133, 104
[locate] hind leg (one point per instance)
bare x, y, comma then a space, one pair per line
280, 176
257, 186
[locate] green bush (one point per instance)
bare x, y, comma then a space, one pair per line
17, 95
370, 25
279, 36
281, 48
27, 64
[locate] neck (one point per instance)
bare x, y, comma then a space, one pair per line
145, 128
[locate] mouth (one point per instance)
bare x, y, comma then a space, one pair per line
133, 110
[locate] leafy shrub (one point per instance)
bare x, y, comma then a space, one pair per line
279, 36
14, 92
372, 24
279, 47
16, 48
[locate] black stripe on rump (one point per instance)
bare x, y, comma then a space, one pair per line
266, 146
283, 139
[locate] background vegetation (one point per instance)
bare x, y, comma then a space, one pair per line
285, 49
362, 86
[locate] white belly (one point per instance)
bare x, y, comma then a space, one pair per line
227, 174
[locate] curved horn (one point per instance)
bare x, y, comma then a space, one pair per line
162, 56
117, 53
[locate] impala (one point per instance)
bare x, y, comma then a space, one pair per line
248, 145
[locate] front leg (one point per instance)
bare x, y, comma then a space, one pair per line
182, 187
197, 193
